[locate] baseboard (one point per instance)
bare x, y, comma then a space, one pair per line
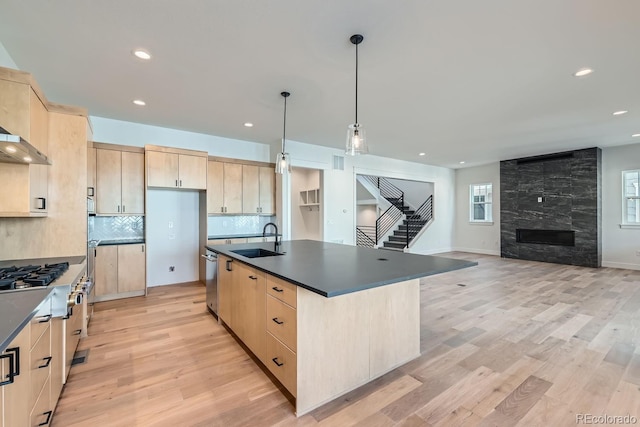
431, 251
623, 265
478, 251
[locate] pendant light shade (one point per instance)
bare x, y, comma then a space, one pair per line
283, 161
356, 139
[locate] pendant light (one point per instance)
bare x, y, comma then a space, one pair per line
356, 142
283, 161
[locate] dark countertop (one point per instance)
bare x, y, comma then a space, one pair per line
16, 310
41, 261
239, 236
108, 242
331, 269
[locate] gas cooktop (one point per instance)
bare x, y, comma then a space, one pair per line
28, 276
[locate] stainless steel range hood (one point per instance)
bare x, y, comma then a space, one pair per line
14, 149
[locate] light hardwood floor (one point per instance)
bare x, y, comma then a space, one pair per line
505, 343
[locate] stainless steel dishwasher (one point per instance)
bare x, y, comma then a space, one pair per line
211, 281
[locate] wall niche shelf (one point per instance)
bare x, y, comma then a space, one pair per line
310, 198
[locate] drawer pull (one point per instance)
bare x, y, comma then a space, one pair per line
11, 358
46, 422
275, 288
15, 372
47, 363
253, 277
275, 360
44, 319
275, 319
77, 332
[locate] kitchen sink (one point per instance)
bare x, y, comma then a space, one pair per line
255, 253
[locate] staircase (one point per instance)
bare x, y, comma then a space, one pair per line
413, 222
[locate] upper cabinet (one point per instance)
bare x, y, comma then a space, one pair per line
258, 184
176, 168
119, 182
235, 188
24, 190
224, 188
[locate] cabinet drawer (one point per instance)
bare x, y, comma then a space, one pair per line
281, 321
40, 364
40, 321
282, 363
42, 409
282, 290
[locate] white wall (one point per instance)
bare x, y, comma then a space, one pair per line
366, 215
177, 245
339, 192
138, 135
474, 237
5, 58
619, 246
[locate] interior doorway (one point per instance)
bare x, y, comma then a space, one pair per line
306, 203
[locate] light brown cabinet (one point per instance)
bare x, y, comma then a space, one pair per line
225, 287
120, 271
24, 190
242, 302
119, 182
91, 171
14, 397
248, 308
174, 170
258, 184
224, 188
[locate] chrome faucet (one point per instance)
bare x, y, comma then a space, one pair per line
264, 232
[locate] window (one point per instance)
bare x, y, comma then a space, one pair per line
630, 197
480, 203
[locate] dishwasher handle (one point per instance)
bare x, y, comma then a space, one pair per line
210, 257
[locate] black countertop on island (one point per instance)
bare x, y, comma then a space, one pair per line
239, 236
17, 308
331, 269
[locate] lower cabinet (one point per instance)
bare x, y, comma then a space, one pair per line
14, 396
264, 323
120, 271
248, 307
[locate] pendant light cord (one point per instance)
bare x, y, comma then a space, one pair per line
284, 126
356, 84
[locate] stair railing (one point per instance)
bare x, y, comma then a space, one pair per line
364, 235
421, 217
393, 194
387, 220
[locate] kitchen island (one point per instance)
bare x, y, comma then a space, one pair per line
324, 318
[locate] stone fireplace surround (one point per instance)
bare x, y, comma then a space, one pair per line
552, 198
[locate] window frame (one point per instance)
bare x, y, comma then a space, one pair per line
625, 201
488, 219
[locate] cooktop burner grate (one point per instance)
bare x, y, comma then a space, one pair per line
30, 275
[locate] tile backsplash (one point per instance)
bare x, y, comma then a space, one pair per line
231, 225
116, 227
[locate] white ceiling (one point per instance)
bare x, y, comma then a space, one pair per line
465, 80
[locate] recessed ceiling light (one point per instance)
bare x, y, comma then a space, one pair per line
248, 125
10, 149
462, 162
422, 154
619, 113
139, 102
142, 54
583, 72
635, 135
27, 159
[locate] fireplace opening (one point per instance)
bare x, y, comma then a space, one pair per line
546, 237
